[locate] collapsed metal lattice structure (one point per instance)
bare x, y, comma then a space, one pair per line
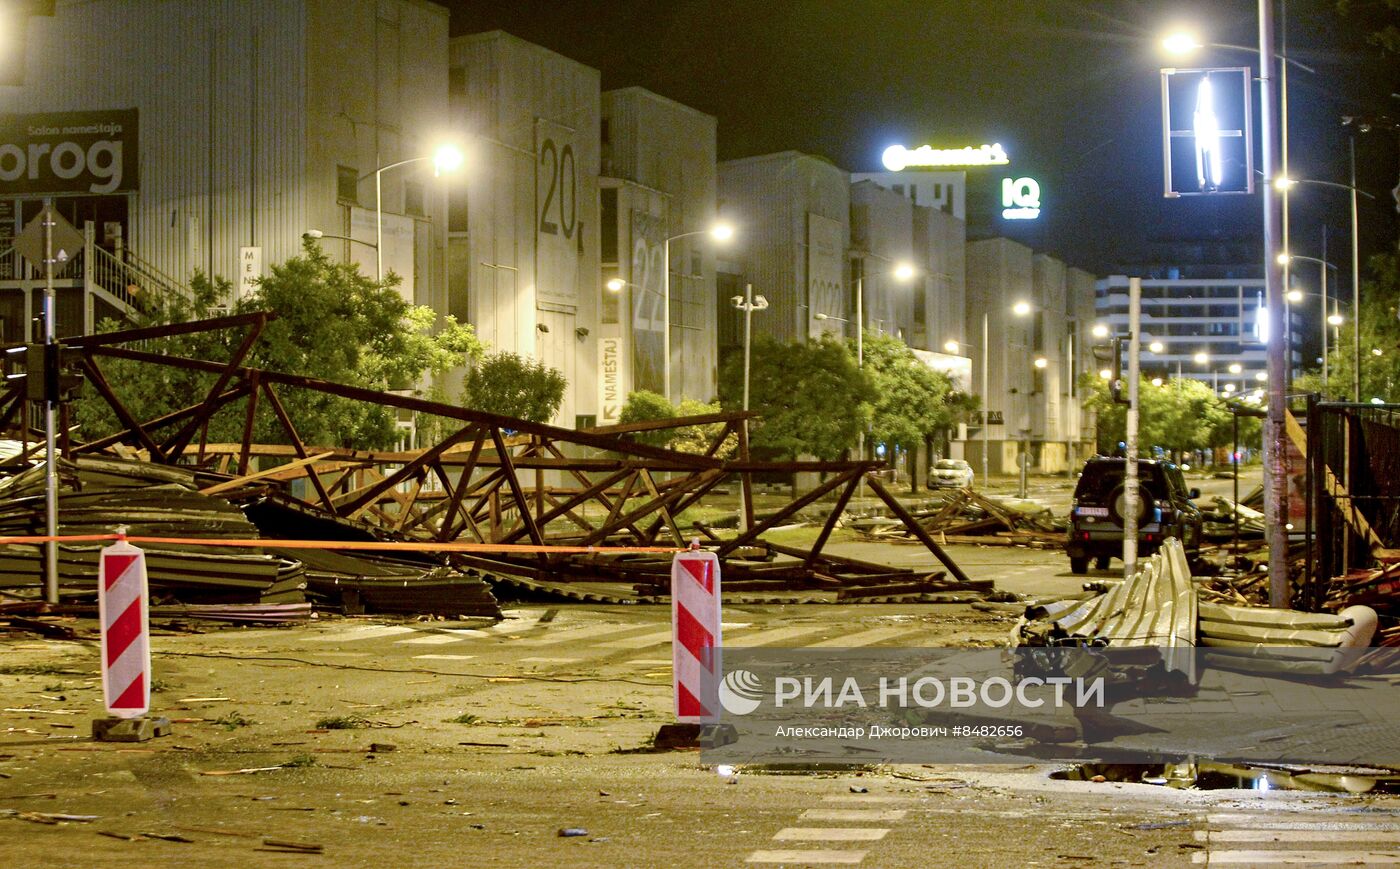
494, 479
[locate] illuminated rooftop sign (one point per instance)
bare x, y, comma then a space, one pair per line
1020, 199
897, 157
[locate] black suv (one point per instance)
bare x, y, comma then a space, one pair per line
1096, 519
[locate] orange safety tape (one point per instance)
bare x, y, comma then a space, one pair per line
339, 544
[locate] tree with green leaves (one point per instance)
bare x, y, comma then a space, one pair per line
332, 323
1380, 341
645, 406
513, 385
1179, 416
913, 403
813, 398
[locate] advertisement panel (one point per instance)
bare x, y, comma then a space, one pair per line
648, 314
825, 267
1207, 147
557, 213
69, 152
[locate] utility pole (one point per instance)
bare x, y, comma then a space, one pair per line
1130, 475
1275, 432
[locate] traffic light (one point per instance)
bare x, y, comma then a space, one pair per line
46, 377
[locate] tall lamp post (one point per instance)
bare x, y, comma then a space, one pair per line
1297, 296
1286, 183
447, 158
720, 231
1020, 309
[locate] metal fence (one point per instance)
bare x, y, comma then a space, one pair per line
1354, 471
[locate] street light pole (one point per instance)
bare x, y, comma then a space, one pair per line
720, 231
1355, 286
986, 411
445, 159
1276, 437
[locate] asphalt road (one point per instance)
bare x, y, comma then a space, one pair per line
476, 744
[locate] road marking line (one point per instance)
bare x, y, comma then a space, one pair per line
344, 654
652, 662
864, 638
430, 640
443, 657
655, 638
548, 660
1266, 858
1391, 837
853, 815
366, 632
773, 636
581, 633
806, 857
831, 834
1281, 822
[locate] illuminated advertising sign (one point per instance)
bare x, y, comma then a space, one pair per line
69, 152
897, 158
1207, 146
1020, 199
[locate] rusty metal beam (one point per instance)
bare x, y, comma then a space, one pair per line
831, 519
783, 514
916, 529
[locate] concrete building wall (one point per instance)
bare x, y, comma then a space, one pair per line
1079, 291
663, 156
999, 273
940, 242
245, 111
525, 251
778, 201
882, 235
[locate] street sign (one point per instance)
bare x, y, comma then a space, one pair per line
994, 417
67, 241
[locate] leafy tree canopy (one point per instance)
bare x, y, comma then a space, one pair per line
913, 402
513, 385
1180, 415
813, 398
1380, 341
645, 405
333, 323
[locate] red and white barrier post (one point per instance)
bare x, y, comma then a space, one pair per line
696, 641
123, 608
695, 652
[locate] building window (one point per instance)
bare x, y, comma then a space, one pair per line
605, 133
347, 185
413, 199
607, 198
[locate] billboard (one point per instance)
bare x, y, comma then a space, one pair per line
825, 267
1207, 146
69, 152
648, 308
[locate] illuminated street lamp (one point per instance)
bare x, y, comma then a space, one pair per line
1326, 317
719, 231
1100, 331
1156, 346
447, 158
1285, 183
903, 272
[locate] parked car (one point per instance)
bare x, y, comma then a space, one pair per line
1096, 518
950, 473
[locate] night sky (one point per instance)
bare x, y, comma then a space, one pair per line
1070, 89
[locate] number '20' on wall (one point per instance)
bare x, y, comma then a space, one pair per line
557, 167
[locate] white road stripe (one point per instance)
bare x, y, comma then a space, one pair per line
366, 632
567, 636
430, 640
1305, 820
804, 857
655, 638
831, 834
864, 638
1267, 858
853, 815
1390, 837
1283, 822
774, 636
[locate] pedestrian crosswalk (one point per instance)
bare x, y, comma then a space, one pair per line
1297, 839
532, 640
